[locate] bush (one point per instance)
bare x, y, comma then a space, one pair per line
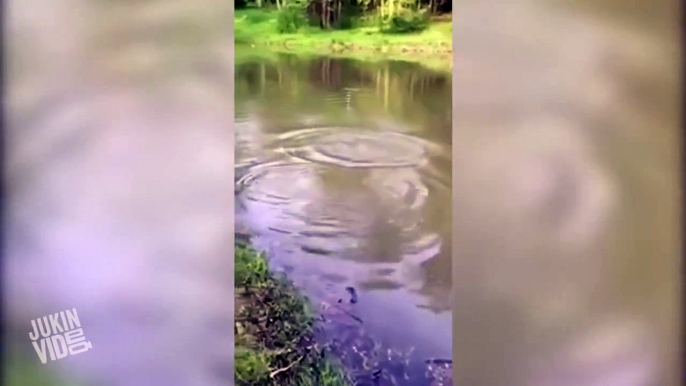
347, 19
251, 366
408, 21
290, 19
275, 329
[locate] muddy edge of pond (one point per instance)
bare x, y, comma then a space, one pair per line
408, 50
274, 330
436, 59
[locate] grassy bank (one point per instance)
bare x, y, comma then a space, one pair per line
259, 27
275, 330
27, 370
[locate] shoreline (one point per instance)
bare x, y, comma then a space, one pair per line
274, 329
256, 28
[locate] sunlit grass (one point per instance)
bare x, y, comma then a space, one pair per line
258, 27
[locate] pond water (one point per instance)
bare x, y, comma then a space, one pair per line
343, 173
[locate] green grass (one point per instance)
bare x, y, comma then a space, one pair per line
27, 371
258, 27
274, 330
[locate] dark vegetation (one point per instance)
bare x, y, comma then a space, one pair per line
274, 329
395, 16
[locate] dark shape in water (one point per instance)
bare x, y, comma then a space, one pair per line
440, 361
355, 147
353, 294
315, 251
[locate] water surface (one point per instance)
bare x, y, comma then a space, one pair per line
343, 175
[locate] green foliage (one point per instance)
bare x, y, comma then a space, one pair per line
274, 331
398, 15
251, 366
254, 16
250, 267
368, 21
347, 18
407, 21
290, 19
257, 28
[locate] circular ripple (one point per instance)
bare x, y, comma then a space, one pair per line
291, 203
289, 199
354, 148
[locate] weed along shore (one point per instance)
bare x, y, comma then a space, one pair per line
274, 329
260, 28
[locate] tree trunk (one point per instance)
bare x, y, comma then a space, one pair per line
324, 18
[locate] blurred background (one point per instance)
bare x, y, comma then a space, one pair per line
566, 207
119, 162
566, 152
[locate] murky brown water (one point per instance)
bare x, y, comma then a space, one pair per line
343, 172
